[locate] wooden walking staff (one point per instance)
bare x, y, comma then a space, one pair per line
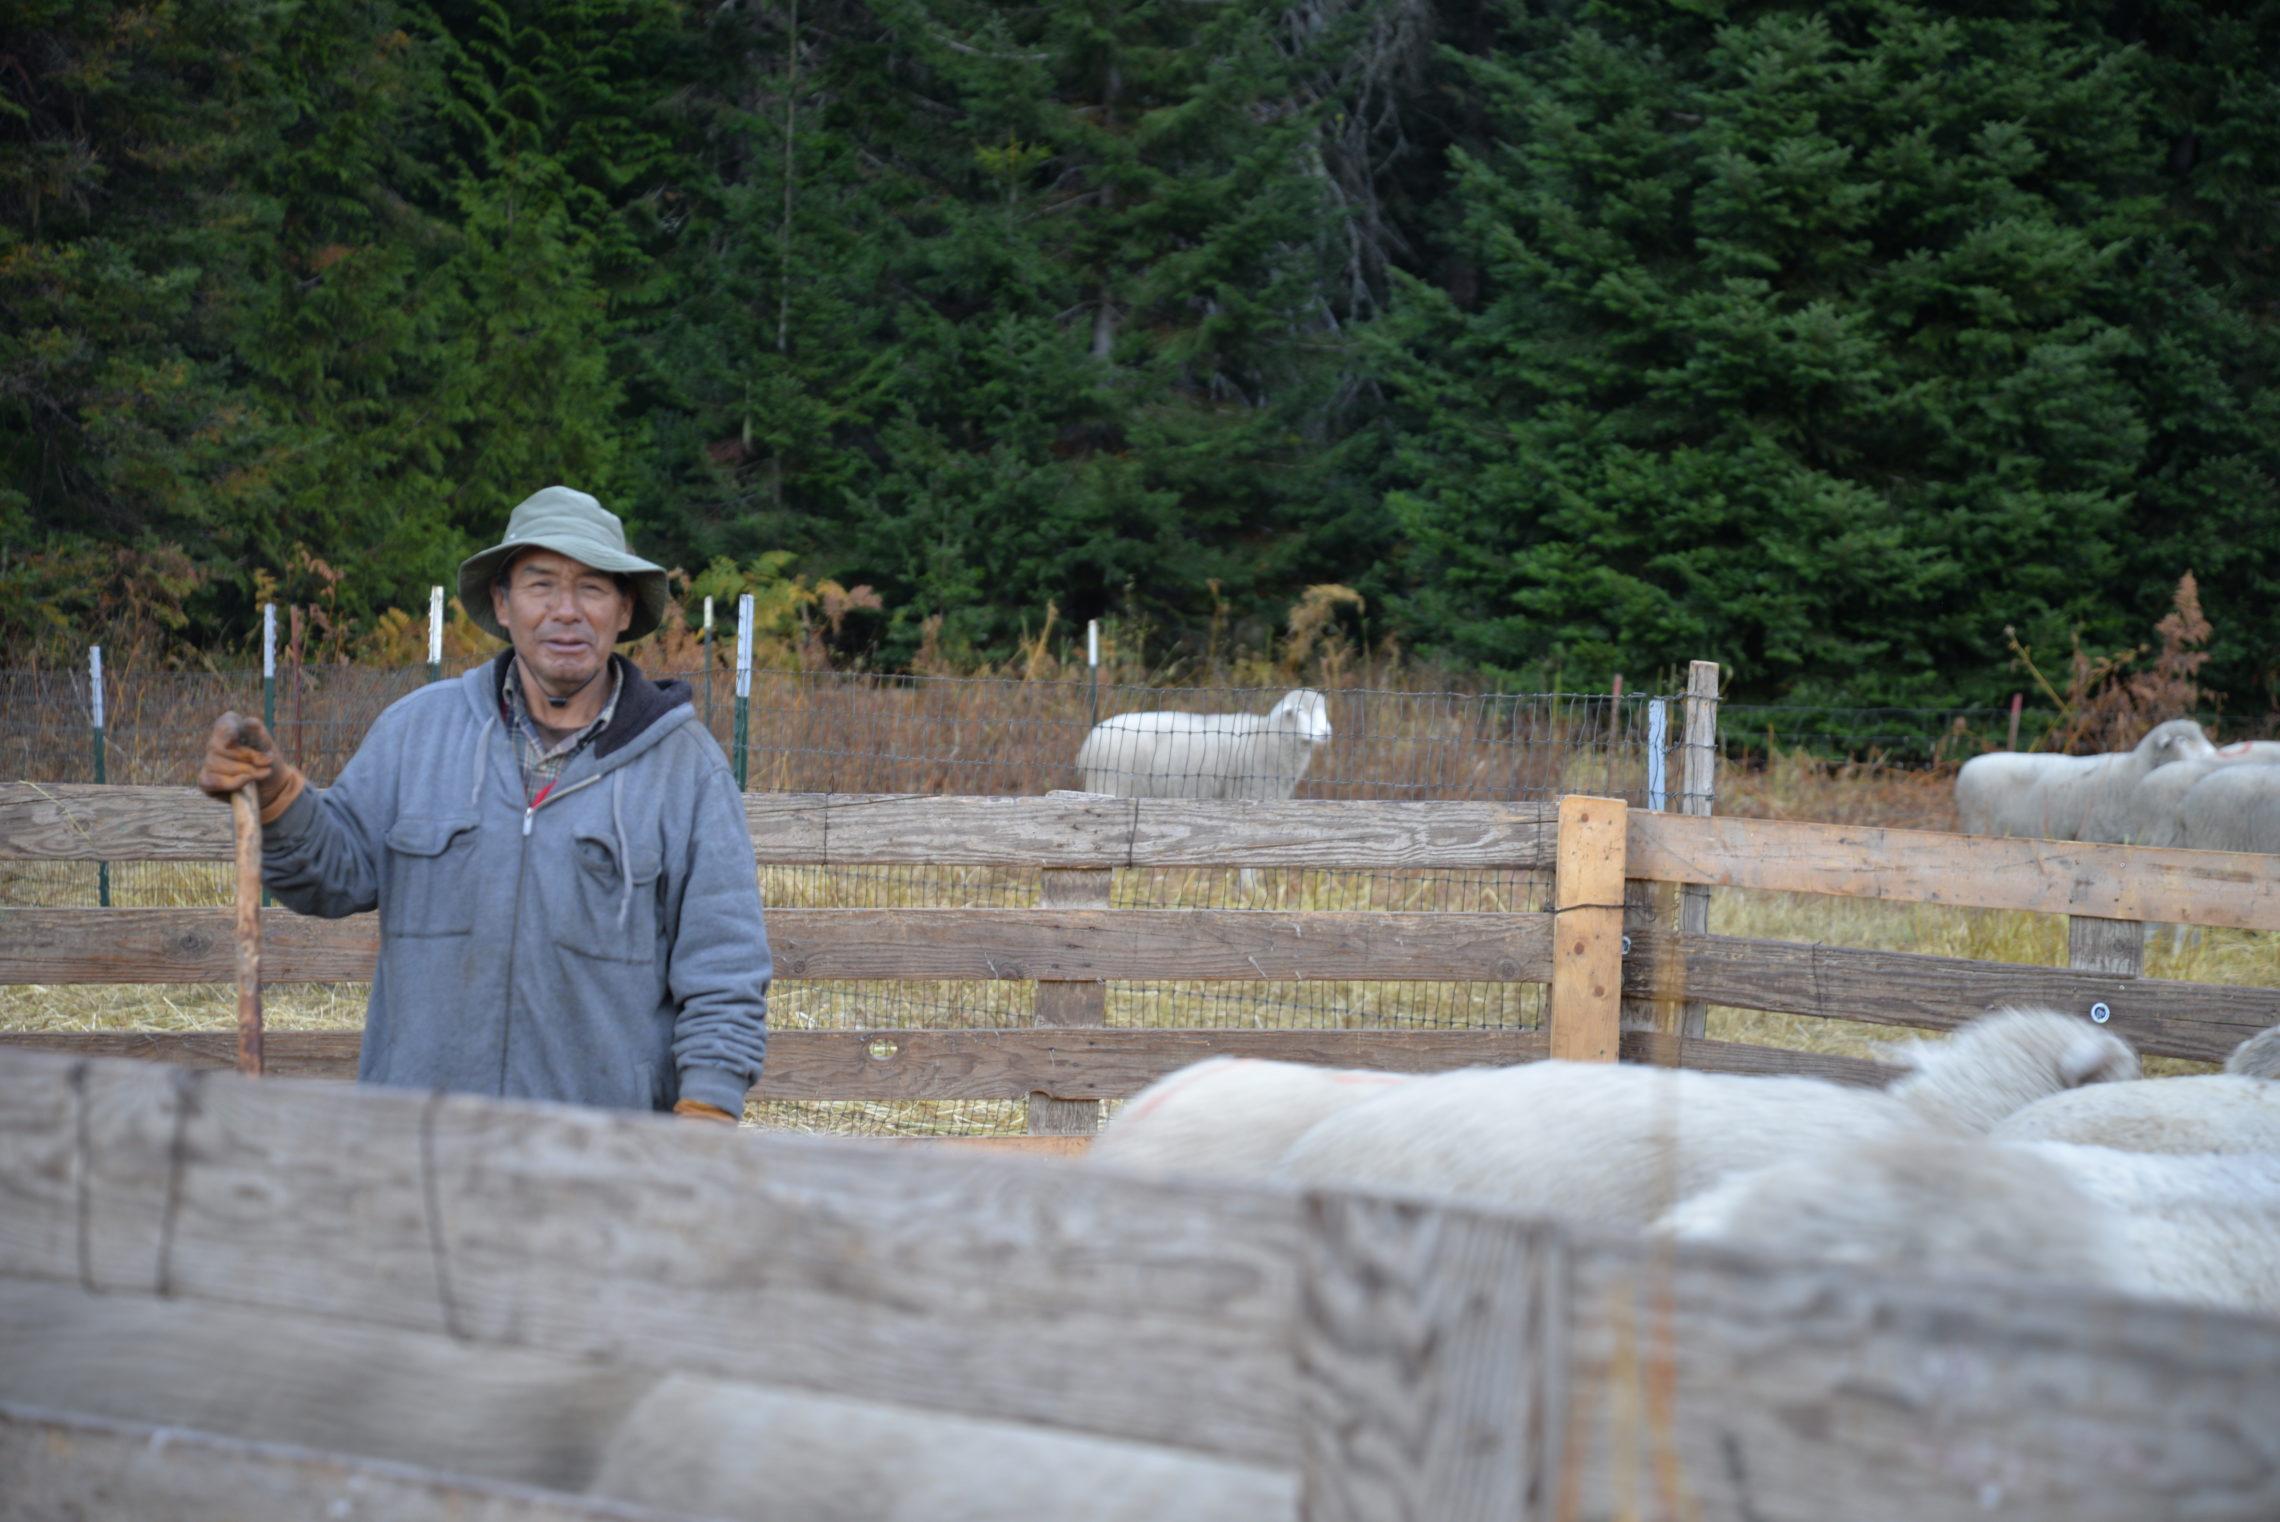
245, 813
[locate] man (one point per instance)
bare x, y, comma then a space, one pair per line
568, 903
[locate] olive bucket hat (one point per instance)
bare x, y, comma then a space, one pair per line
569, 523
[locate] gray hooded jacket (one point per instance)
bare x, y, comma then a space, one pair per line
604, 947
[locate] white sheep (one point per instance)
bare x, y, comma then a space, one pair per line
2157, 799
1891, 1204
1207, 755
718, 1448
2258, 1056
2203, 1228
2220, 1112
1230, 1117
2236, 808
2067, 797
1620, 1144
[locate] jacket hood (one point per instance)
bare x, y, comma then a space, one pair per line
646, 711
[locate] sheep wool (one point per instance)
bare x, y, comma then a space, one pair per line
1620, 1144
2236, 808
2203, 1228
1207, 755
1229, 1117
2068, 797
2222, 1112
1894, 1204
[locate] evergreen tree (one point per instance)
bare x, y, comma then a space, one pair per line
1807, 347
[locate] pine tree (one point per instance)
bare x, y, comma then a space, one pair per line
1807, 348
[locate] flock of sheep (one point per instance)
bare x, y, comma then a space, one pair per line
2175, 788
2026, 1144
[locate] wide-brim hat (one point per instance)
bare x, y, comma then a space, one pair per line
569, 523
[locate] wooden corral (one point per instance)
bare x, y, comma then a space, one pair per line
1403, 1361
1072, 942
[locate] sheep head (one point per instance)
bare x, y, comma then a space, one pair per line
2177, 740
2004, 1061
1303, 712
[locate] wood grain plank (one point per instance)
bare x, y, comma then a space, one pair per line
1587, 931
66, 1465
992, 1286
2113, 947
1431, 1362
2236, 889
1738, 1388
2162, 1017
1070, 1004
85, 822
195, 945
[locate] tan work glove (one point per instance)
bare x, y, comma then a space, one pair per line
239, 751
697, 1109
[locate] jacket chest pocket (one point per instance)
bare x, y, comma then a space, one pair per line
429, 878
613, 915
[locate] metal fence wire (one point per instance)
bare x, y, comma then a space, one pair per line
873, 733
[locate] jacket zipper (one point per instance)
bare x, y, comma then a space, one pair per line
514, 935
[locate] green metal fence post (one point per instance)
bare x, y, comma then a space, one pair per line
708, 665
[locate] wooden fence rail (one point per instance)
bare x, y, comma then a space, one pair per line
83, 822
1404, 1360
1071, 945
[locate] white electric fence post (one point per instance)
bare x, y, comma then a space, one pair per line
435, 634
268, 686
95, 707
1092, 663
708, 664
1658, 764
743, 689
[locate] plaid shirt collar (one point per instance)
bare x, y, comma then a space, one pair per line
542, 760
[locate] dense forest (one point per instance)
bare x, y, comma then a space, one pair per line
1844, 343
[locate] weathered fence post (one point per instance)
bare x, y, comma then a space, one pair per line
1432, 1363
2108, 946
1064, 1003
1698, 794
95, 709
1587, 929
743, 688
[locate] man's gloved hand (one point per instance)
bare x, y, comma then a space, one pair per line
238, 751
697, 1109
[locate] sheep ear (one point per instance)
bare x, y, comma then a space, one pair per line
2096, 1059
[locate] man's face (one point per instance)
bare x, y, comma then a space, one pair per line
562, 617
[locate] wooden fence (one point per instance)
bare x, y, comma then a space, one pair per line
1612, 949
1406, 1362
